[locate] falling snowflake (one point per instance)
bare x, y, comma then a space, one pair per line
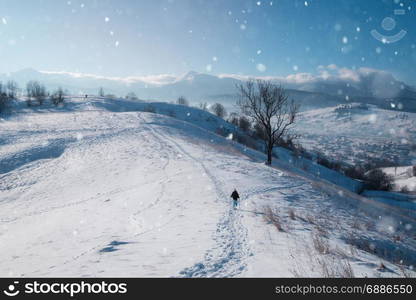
79, 136
261, 67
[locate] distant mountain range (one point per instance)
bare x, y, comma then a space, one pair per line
330, 87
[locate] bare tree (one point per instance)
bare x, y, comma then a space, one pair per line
203, 106
182, 101
219, 110
58, 96
4, 99
233, 119
269, 106
29, 93
12, 88
132, 96
37, 91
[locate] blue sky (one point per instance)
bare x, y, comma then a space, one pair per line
279, 37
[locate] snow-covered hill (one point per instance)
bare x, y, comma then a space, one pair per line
331, 86
355, 132
103, 188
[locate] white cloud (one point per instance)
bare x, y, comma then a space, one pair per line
160, 79
376, 82
324, 73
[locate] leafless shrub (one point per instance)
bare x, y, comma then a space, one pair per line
311, 219
381, 267
345, 270
244, 123
404, 272
356, 224
219, 110
132, 96
320, 244
321, 230
370, 225
353, 251
340, 252
272, 217
36, 91
58, 97
182, 101
331, 267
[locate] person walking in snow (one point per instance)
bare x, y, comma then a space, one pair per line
235, 197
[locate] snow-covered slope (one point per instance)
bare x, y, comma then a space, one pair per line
96, 189
356, 132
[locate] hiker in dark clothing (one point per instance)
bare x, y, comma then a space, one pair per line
235, 197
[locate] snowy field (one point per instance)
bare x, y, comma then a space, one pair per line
99, 189
356, 132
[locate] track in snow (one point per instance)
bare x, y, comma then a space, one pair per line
228, 257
